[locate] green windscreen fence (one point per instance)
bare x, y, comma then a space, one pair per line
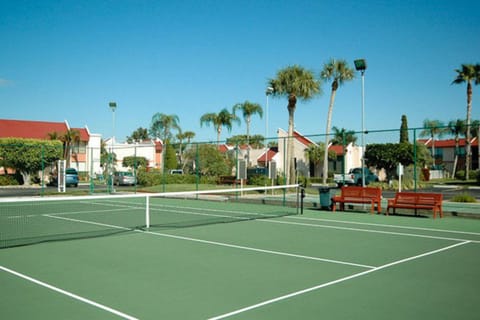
35, 220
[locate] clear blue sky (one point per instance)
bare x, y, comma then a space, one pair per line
67, 59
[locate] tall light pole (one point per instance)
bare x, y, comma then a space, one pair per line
361, 65
268, 92
113, 107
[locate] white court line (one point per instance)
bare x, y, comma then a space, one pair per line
384, 225
217, 243
69, 294
323, 285
367, 230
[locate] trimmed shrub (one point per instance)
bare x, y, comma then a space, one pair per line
464, 197
8, 180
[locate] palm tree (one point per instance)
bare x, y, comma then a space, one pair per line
456, 128
340, 134
338, 71
315, 154
189, 135
162, 125
248, 109
181, 136
468, 73
432, 128
69, 138
222, 119
293, 82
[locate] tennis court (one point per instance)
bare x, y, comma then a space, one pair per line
184, 260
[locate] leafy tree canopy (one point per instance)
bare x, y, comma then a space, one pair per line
255, 141
29, 156
208, 160
138, 135
389, 155
134, 162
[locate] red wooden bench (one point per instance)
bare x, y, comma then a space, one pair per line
356, 194
229, 180
417, 200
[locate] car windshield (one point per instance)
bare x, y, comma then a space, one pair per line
71, 171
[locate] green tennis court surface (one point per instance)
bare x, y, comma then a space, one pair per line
319, 265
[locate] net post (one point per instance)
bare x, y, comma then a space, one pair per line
147, 211
296, 199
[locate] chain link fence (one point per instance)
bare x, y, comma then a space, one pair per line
277, 160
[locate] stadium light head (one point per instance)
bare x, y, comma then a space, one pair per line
360, 64
113, 106
269, 90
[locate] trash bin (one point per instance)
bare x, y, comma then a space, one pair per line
325, 197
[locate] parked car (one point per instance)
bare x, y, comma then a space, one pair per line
124, 178
354, 177
71, 177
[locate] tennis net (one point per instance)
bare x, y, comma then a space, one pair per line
25, 221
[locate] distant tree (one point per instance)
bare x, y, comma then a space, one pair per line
389, 155
28, 156
138, 135
456, 128
338, 71
162, 125
316, 153
248, 109
134, 162
432, 129
208, 160
256, 141
189, 135
293, 82
68, 139
404, 130
106, 157
338, 136
219, 120
170, 157
468, 74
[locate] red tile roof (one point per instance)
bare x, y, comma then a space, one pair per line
304, 140
448, 143
338, 149
270, 154
35, 129
223, 148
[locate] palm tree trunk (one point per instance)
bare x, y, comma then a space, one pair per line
433, 150
290, 169
455, 161
467, 138
248, 140
327, 136
219, 131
